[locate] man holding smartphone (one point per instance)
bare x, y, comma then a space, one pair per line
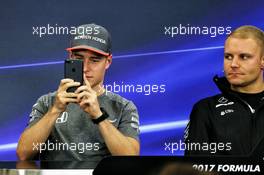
89, 123
232, 122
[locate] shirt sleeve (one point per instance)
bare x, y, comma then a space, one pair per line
198, 129
129, 123
39, 109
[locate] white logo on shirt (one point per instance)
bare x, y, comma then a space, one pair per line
230, 103
223, 102
226, 111
63, 118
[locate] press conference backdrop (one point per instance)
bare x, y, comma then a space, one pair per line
168, 64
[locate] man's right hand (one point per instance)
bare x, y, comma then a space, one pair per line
62, 97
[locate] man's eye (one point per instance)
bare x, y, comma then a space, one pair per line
95, 60
245, 57
228, 57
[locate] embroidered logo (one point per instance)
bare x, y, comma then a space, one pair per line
226, 112
63, 118
223, 102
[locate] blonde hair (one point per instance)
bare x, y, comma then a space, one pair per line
247, 31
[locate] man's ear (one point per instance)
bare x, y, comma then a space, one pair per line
262, 62
108, 61
70, 54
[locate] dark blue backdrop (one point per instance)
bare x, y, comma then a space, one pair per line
142, 55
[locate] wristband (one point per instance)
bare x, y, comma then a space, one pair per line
101, 118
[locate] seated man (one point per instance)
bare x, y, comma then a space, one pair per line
232, 122
87, 124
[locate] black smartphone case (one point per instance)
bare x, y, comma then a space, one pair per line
73, 69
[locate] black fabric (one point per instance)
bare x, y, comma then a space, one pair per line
253, 100
229, 119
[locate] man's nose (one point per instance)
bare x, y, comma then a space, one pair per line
235, 62
86, 65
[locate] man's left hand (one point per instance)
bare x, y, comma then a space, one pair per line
87, 99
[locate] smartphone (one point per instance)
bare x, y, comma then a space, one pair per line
73, 69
